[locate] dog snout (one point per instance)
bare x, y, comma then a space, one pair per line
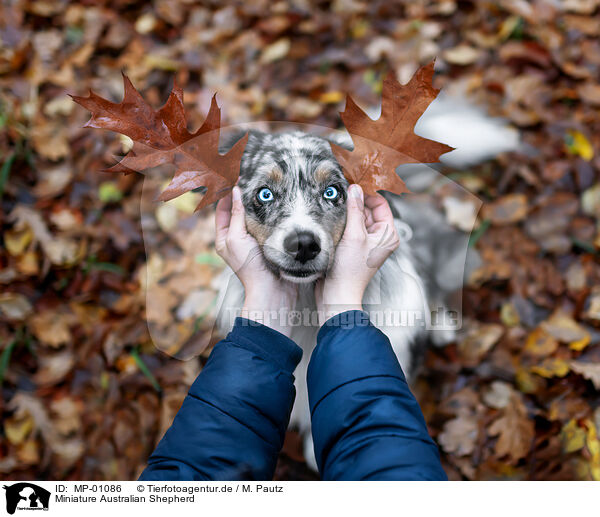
303, 246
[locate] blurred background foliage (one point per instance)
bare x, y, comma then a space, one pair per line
86, 392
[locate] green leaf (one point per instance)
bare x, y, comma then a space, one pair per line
144, 369
92, 263
585, 246
208, 258
476, 235
108, 192
5, 171
108, 267
6, 355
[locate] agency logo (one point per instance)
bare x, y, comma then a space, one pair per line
26, 496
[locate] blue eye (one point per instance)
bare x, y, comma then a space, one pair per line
330, 193
265, 195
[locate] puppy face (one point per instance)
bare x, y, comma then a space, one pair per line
294, 193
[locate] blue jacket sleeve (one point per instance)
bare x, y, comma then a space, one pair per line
366, 423
232, 423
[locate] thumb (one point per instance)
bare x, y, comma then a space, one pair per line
355, 218
237, 224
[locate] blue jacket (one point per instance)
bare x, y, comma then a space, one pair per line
366, 423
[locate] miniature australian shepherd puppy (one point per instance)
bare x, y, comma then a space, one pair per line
294, 193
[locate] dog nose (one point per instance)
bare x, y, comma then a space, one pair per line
303, 246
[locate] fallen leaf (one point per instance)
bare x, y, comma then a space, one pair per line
66, 415
108, 192
590, 201
498, 395
564, 328
590, 371
590, 93
50, 140
332, 97
461, 55
540, 344
515, 430
53, 181
275, 51
53, 367
17, 429
572, 436
592, 305
51, 327
479, 340
14, 306
578, 144
565, 407
593, 446
506, 210
29, 452
527, 382
551, 367
60, 250
459, 435
16, 241
27, 263
509, 315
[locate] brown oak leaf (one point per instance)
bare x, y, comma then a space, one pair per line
383, 144
515, 430
161, 137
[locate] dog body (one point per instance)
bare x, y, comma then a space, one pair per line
294, 193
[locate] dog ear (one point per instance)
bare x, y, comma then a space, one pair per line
161, 137
343, 140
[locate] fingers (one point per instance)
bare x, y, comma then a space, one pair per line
387, 235
355, 217
368, 218
380, 210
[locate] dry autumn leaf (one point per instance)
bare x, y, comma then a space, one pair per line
551, 367
590, 371
460, 435
540, 344
383, 144
564, 328
478, 341
506, 210
572, 436
498, 395
514, 429
161, 137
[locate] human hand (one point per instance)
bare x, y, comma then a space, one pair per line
263, 292
369, 238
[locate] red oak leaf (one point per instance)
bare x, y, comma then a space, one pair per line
381, 145
161, 137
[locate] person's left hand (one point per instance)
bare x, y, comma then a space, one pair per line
264, 293
369, 238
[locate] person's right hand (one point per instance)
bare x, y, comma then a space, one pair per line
264, 294
369, 238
